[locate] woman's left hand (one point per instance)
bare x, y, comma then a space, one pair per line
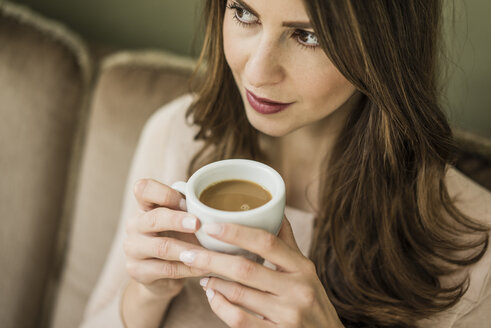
291, 296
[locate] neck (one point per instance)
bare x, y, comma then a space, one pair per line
300, 155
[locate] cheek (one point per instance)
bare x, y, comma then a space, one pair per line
325, 88
233, 49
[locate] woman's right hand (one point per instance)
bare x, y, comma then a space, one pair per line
155, 238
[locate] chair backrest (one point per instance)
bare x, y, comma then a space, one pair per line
131, 86
44, 78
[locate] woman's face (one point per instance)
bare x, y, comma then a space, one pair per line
273, 53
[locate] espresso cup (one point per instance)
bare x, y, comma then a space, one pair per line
267, 216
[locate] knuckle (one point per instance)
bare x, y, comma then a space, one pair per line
132, 269
196, 272
139, 187
306, 296
144, 277
163, 246
236, 294
127, 247
174, 218
269, 241
167, 197
309, 266
150, 219
205, 260
293, 317
239, 320
169, 270
148, 188
245, 269
231, 231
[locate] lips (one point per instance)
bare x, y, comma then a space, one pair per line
265, 106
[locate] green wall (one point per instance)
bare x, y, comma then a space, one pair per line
469, 87
165, 24
172, 25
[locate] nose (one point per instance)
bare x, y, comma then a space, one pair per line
263, 67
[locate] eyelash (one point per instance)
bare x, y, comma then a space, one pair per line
235, 6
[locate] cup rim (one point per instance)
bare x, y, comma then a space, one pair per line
275, 199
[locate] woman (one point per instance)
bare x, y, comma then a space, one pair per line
341, 97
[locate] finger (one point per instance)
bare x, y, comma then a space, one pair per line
258, 241
286, 234
164, 248
150, 193
233, 315
258, 302
151, 270
236, 268
165, 219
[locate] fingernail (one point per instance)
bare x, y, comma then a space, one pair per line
182, 205
187, 256
189, 223
204, 281
212, 228
210, 293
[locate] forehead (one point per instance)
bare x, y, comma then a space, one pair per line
283, 10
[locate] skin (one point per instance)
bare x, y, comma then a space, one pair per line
270, 61
262, 290
287, 65
160, 252
266, 59
156, 240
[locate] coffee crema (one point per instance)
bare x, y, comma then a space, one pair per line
234, 195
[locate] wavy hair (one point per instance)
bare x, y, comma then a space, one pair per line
386, 229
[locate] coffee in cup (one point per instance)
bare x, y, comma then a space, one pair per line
233, 174
235, 195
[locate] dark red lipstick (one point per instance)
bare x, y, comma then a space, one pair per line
265, 106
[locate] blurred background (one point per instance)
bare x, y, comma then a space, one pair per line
174, 25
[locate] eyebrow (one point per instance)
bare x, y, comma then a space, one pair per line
300, 25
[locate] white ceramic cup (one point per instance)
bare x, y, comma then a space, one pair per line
267, 217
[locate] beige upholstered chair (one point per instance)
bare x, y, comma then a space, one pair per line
66, 144
44, 79
130, 87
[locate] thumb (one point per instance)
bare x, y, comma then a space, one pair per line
286, 234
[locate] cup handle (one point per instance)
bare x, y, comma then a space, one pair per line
179, 186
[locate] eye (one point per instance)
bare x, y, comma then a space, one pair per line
307, 39
242, 15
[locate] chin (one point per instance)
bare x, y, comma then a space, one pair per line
266, 126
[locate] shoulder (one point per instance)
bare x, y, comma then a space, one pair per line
166, 144
474, 201
168, 124
169, 115
469, 197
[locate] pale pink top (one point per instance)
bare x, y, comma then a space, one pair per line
164, 150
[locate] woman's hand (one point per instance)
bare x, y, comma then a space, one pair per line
292, 296
156, 237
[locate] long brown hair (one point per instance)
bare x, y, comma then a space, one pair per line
386, 229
